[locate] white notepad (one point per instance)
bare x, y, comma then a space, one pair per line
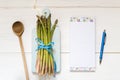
82, 44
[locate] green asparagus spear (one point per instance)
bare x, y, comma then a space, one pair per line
45, 33
53, 27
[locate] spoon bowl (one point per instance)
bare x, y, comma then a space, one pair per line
18, 28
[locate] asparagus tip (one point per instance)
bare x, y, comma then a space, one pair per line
49, 15
37, 16
56, 21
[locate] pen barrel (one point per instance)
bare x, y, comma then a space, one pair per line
102, 45
102, 49
101, 55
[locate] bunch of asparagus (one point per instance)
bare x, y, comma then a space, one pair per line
45, 61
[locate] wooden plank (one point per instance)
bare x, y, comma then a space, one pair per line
60, 3
105, 19
11, 68
16, 3
79, 3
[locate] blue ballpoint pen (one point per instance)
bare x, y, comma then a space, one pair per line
102, 45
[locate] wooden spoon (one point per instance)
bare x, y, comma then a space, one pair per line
18, 29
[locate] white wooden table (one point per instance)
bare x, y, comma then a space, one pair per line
106, 12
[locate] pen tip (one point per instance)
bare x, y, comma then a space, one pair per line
100, 61
104, 30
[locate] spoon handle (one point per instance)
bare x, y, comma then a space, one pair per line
24, 59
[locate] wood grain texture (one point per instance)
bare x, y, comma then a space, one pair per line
24, 59
106, 18
11, 67
60, 3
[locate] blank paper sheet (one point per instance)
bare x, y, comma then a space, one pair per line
82, 44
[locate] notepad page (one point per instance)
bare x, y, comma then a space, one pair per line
82, 44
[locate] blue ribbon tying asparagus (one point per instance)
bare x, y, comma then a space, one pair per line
48, 47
